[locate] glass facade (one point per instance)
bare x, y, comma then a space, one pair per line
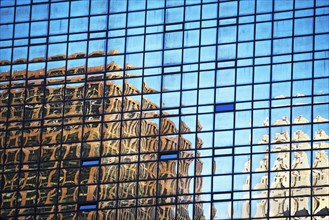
164, 109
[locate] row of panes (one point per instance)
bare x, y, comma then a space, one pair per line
170, 58
69, 195
191, 38
206, 92
223, 142
152, 29
280, 102
280, 118
192, 13
219, 210
151, 100
224, 77
31, 136
259, 165
284, 28
261, 73
279, 181
244, 7
154, 42
280, 94
302, 26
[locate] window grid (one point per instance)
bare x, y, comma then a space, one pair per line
289, 96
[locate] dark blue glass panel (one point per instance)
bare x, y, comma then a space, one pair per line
87, 207
90, 162
168, 156
225, 107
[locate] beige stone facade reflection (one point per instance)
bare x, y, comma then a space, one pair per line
56, 124
298, 182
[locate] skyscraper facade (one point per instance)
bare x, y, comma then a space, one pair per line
164, 109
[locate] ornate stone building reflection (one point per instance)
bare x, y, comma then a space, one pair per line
298, 181
85, 136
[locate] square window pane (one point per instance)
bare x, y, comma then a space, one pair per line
283, 28
227, 34
303, 26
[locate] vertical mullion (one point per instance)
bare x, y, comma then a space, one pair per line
24, 112
140, 115
160, 135
312, 113
196, 179
42, 106
62, 120
234, 112
252, 115
83, 123
178, 177
103, 112
6, 129
270, 113
290, 194
122, 112
212, 210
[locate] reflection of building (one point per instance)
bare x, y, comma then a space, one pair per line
288, 191
102, 102
92, 141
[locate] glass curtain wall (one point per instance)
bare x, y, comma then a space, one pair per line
164, 109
